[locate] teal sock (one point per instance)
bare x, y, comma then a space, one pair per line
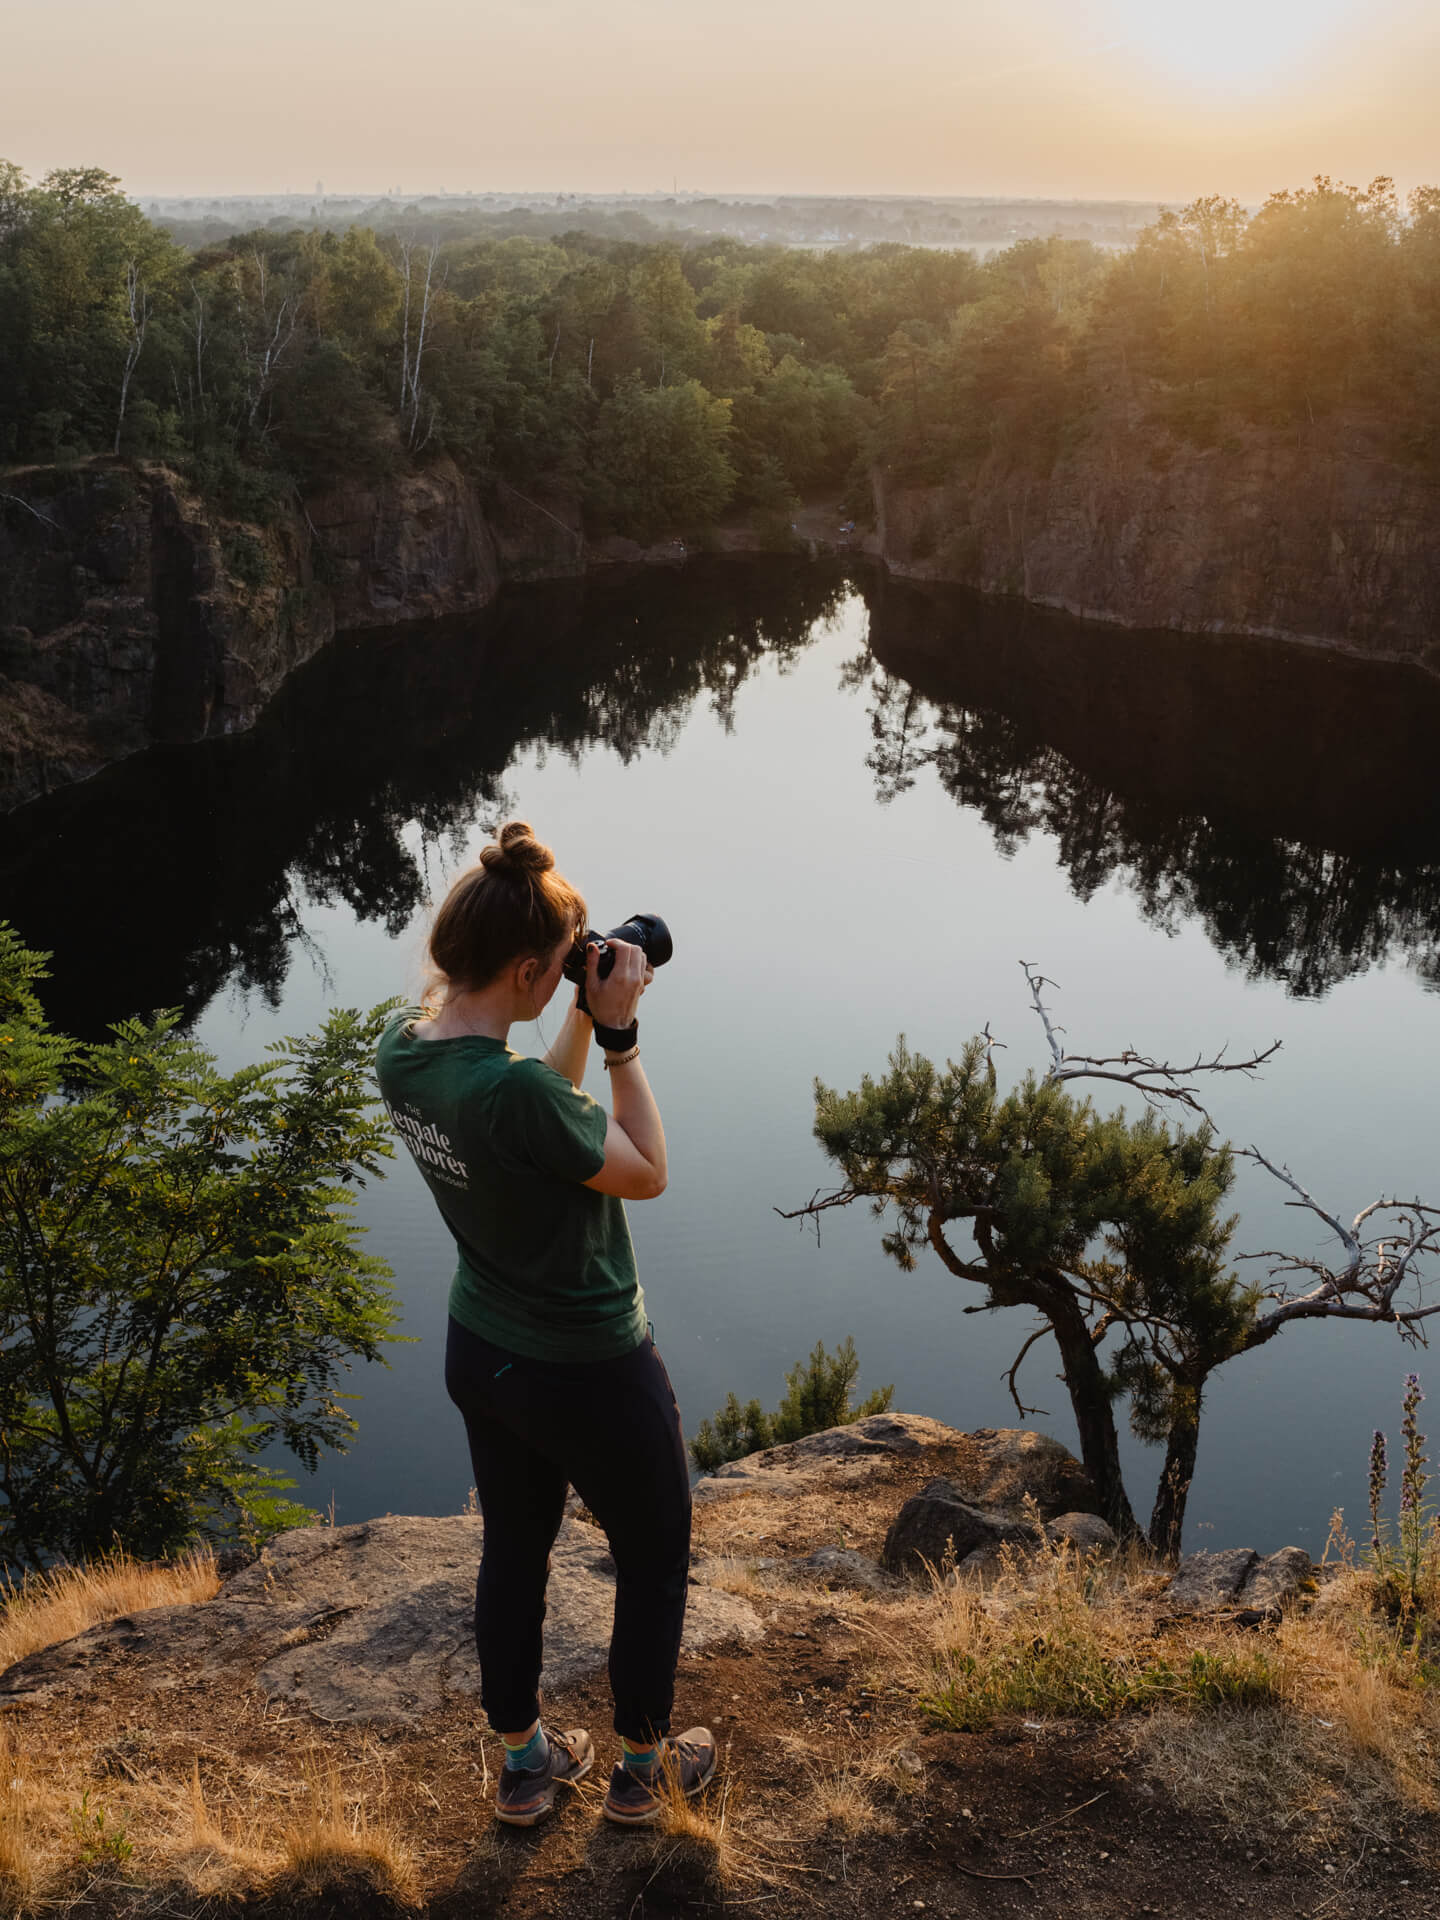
639, 1759
532, 1755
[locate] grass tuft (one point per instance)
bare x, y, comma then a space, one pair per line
1059, 1637
697, 1843
17, 1851
50, 1607
334, 1846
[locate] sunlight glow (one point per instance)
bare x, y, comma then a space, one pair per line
1228, 47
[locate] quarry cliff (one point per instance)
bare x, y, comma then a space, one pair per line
1320, 536
134, 612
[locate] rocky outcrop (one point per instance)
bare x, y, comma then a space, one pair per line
132, 612
368, 1623
1319, 536
840, 1457
371, 1625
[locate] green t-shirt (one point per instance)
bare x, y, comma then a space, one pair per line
546, 1266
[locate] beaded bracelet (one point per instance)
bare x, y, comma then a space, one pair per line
621, 1059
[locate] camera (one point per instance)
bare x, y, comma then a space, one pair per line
644, 930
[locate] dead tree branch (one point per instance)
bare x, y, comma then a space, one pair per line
16, 501
1156, 1080
1367, 1284
1020, 1407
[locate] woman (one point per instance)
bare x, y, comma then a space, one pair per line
549, 1356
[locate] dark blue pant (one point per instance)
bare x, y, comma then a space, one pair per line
610, 1429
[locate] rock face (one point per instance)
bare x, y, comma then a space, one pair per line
1321, 536
132, 612
140, 617
369, 1623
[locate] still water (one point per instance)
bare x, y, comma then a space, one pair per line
859, 805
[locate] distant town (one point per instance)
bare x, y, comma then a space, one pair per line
792, 220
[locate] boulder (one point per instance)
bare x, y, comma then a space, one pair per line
369, 1623
939, 1524
1240, 1581
1007, 1464
838, 1457
1205, 1581
843, 1567
1086, 1532
1277, 1580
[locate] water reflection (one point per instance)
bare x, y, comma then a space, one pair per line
1279, 797
173, 874
1283, 798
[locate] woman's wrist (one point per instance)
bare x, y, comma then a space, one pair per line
617, 1039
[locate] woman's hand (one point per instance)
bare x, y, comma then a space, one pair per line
613, 1000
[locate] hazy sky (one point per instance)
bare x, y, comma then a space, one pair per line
1122, 98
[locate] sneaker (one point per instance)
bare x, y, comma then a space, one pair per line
634, 1799
526, 1794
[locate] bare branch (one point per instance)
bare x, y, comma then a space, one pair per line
16, 501
1366, 1284
1156, 1080
137, 307
1020, 1407
841, 1197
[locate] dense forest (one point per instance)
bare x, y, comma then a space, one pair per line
664, 384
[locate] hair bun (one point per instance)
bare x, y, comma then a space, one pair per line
517, 851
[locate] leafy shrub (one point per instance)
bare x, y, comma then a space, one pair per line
181, 1280
245, 558
817, 1397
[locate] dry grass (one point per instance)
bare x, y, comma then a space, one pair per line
217, 1856
732, 1574
48, 1608
856, 1787
1058, 1634
17, 1853
1327, 1725
697, 1841
335, 1843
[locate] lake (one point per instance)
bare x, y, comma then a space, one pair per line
859, 804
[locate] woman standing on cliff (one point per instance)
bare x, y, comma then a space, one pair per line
549, 1356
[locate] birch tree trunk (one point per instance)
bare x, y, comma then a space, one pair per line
138, 308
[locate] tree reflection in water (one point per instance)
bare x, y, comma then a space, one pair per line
172, 875
1279, 796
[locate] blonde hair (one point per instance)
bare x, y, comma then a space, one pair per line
511, 905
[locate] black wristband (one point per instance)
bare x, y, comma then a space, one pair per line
617, 1039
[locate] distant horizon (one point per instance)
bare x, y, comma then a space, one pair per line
307, 196
746, 194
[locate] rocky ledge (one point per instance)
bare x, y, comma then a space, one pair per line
370, 1624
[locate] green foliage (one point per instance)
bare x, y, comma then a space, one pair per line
181, 1284
659, 457
287, 355
817, 1397
1103, 1224
245, 558
100, 1840
1073, 1675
